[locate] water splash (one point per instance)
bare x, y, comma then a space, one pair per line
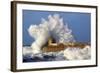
54, 27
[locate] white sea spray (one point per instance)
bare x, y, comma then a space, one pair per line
53, 27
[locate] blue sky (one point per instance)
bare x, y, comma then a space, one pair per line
80, 23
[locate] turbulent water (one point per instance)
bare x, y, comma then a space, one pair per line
67, 54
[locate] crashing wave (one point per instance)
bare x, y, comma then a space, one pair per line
53, 27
